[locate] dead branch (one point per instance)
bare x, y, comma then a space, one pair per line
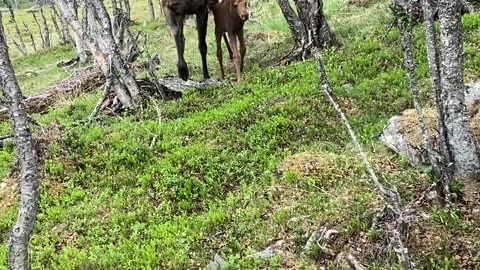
409, 63
83, 80
106, 91
354, 262
391, 197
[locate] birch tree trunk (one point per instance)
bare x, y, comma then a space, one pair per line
296, 27
126, 89
39, 29
309, 29
151, 10
55, 25
459, 136
29, 185
311, 14
113, 50
32, 40
66, 37
45, 30
79, 45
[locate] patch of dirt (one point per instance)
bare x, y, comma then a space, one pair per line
259, 36
44, 137
435, 242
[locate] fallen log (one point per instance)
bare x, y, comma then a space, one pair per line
81, 81
92, 78
170, 88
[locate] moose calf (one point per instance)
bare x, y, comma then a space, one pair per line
230, 17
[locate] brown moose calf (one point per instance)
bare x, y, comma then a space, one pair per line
230, 17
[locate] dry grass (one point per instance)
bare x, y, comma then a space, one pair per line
8, 191
410, 129
310, 164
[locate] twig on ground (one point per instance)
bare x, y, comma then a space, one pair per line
399, 228
354, 262
106, 91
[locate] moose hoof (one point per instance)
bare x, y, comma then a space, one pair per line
183, 73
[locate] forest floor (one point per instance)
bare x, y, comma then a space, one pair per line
236, 170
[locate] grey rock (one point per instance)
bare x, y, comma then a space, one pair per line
217, 263
396, 141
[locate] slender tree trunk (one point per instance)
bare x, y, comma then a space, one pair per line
92, 25
55, 25
79, 44
151, 10
434, 65
39, 29
459, 136
127, 9
66, 37
31, 36
409, 62
29, 184
46, 31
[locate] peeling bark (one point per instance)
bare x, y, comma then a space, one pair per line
312, 31
296, 27
27, 157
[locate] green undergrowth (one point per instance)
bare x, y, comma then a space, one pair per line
233, 170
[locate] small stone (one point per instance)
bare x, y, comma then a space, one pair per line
217, 263
266, 254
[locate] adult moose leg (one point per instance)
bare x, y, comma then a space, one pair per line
236, 58
218, 39
243, 48
175, 23
202, 23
